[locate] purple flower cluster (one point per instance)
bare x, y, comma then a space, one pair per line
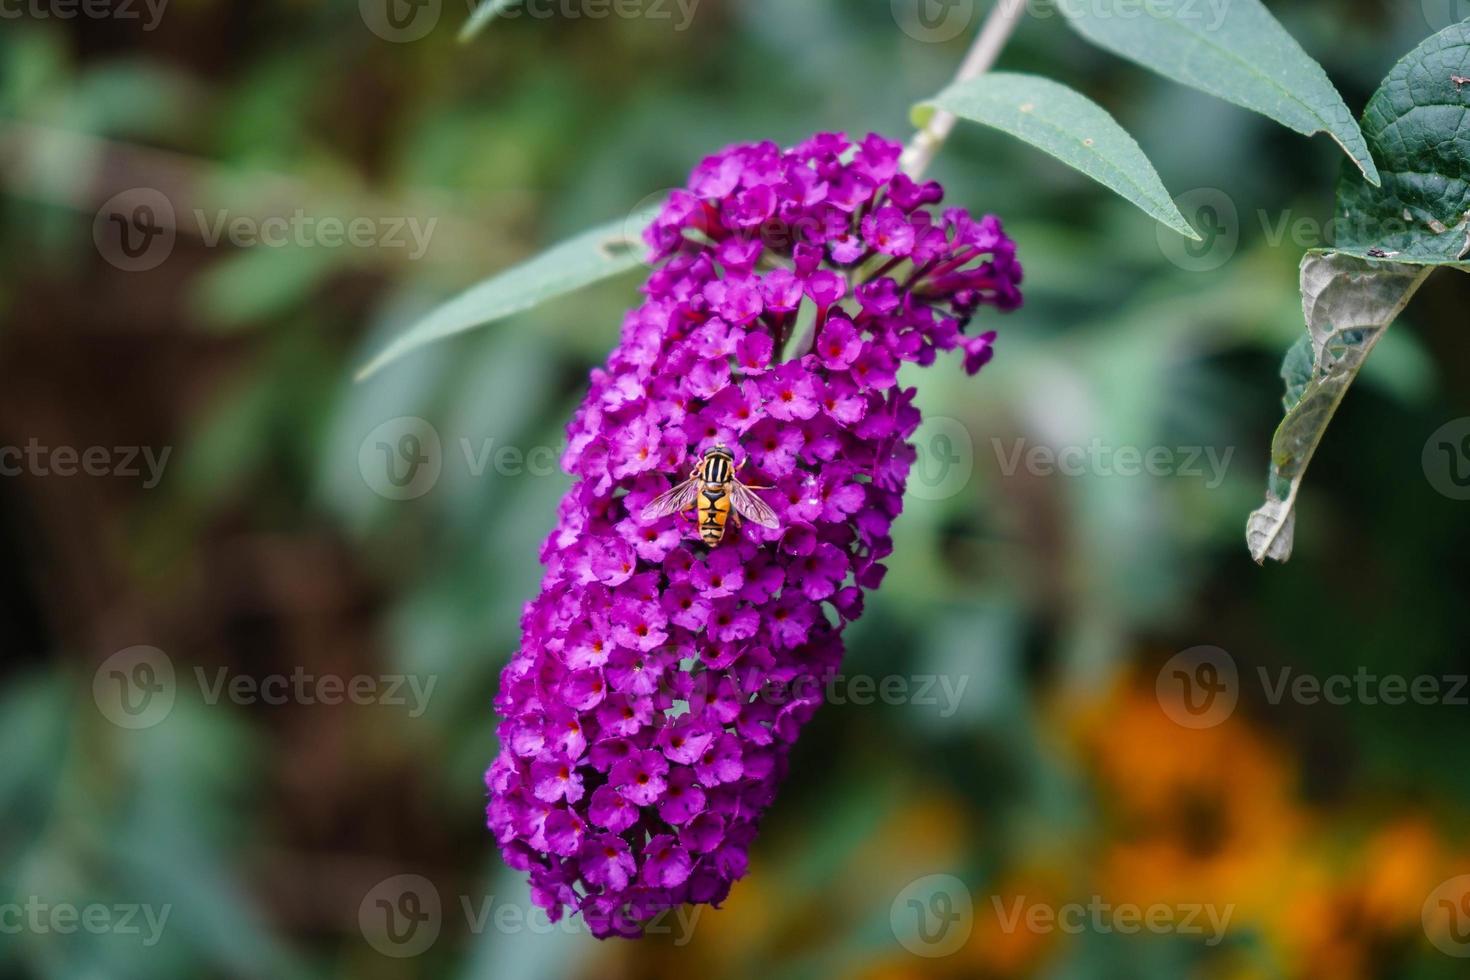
660, 685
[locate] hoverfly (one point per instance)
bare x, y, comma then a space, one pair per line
714, 493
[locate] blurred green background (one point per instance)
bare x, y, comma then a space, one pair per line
269, 823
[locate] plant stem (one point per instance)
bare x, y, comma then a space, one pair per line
994, 33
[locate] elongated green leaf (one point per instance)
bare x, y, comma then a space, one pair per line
1233, 49
1069, 126
1348, 302
483, 14
590, 257
1389, 240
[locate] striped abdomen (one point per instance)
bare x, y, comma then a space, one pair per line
714, 511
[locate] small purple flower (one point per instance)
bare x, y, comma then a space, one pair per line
665, 863
826, 287
722, 574
556, 780
634, 672
979, 351
843, 403
753, 207
607, 861
709, 378
720, 763
838, 345
612, 810
563, 831
730, 621
683, 798
737, 300
582, 689
790, 392
641, 778
753, 353
781, 290
739, 254
651, 709
888, 231
684, 743
908, 195
703, 834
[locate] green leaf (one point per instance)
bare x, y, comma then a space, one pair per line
1070, 127
1233, 49
1348, 302
590, 257
482, 15
1390, 239
1418, 126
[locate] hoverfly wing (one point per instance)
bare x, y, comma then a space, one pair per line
751, 507
673, 501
